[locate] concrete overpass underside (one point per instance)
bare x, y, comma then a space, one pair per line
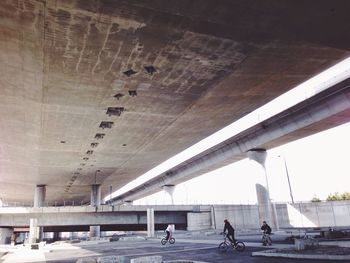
103, 91
128, 218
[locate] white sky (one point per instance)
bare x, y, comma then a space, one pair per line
318, 165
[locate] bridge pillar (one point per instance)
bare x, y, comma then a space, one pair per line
262, 187
6, 235
39, 195
170, 190
95, 201
56, 236
94, 232
95, 198
34, 231
150, 222
72, 235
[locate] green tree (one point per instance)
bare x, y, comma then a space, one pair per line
338, 197
315, 199
345, 196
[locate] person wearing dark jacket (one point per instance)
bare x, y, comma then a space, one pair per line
230, 231
266, 228
267, 232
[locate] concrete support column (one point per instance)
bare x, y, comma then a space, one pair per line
34, 231
58, 236
213, 219
94, 232
264, 203
170, 190
150, 222
95, 199
262, 188
6, 234
39, 201
39, 195
72, 235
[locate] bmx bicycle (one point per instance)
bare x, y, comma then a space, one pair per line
164, 240
238, 245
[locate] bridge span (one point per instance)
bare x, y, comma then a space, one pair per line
154, 218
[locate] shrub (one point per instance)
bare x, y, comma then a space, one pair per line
338, 197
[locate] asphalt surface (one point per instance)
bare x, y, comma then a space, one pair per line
181, 250
188, 246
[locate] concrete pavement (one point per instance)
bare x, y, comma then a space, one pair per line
197, 248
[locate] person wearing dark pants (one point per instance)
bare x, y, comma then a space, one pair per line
230, 231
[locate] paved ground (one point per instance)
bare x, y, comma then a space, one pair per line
180, 250
199, 248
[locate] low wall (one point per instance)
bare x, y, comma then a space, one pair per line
306, 214
320, 214
240, 216
198, 221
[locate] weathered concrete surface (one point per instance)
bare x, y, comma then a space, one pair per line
68, 218
297, 119
302, 215
67, 66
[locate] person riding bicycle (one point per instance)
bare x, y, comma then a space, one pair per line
169, 231
230, 231
267, 231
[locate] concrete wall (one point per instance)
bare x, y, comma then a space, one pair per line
240, 216
308, 214
170, 217
101, 218
198, 221
318, 214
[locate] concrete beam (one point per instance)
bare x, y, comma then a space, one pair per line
125, 217
332, 102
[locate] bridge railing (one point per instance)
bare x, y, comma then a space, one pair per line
46, 204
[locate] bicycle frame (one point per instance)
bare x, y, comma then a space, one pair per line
171, 240
238, 245
227, 241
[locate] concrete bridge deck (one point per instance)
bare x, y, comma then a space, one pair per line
102, 208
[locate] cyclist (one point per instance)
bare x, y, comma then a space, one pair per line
230, 231
267, 232
169, 231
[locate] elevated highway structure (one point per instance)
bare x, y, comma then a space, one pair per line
99, 92
96, 93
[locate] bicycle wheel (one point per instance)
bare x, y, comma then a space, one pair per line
172, 240
240, 246
223, 247
163, 241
